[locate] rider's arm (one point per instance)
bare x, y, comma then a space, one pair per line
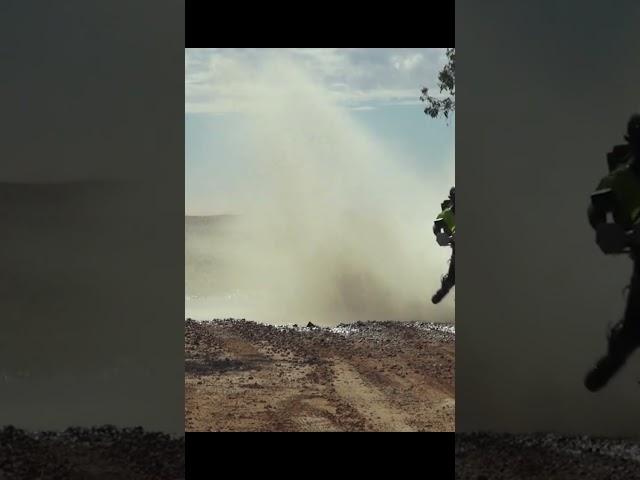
610, 236
596, 216
603, 201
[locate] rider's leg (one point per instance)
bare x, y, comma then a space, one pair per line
624, 338
448, 281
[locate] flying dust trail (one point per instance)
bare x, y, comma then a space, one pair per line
334, 226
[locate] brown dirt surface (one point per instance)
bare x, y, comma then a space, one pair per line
97, 453
364, 376
545, 457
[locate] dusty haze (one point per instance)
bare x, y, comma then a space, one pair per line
333, 225
558, 85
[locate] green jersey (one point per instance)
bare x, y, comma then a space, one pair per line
624, 185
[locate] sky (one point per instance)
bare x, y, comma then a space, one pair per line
378, 88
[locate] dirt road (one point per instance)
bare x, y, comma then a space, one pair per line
373, 376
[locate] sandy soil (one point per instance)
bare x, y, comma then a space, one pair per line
373, 376
545, 457
99, 453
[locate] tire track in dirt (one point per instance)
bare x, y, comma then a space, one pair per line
367, 400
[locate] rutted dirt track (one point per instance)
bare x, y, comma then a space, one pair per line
373, 376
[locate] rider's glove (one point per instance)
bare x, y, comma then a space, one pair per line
443, 239
611, 238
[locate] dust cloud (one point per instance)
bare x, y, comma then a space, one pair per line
333, 224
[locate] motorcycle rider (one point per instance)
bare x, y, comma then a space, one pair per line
444, 228
614, 213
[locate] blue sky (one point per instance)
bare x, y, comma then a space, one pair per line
378, 88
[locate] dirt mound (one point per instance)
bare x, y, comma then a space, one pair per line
91, 453
545, 457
